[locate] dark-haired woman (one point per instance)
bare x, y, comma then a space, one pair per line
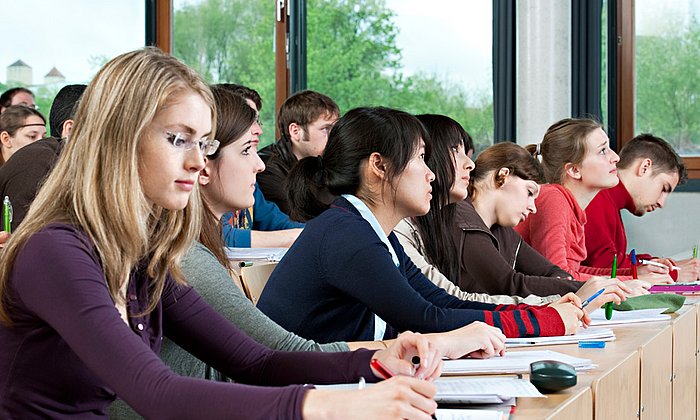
347, 277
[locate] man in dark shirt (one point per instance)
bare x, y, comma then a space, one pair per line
22, 175
304, 119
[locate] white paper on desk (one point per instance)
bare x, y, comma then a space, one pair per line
592, 333
468, 390
511, 362
628, 317
255, 254
458, 414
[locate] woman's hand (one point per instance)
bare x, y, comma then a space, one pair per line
4, 237
400, 397
615, 291
399, 357
637, 287
569, 309
477, 340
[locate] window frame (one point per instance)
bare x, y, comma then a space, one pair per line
624, 101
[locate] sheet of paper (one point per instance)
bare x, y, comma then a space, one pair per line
503, 387
252, 254
468, 414
512, 362
628, 317
592, 333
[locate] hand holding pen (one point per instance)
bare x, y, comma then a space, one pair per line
399, 357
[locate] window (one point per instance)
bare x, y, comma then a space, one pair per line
63, 47
667, 47
422, 57
230, 41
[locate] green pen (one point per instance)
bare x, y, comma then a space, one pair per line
695, 251
7, 214
609, 305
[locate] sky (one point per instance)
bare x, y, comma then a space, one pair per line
67, 37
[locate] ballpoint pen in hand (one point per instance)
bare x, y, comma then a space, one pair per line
593, 296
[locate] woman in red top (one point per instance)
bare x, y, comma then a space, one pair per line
577, 163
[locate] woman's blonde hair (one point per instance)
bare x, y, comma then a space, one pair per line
564, 142
95, 185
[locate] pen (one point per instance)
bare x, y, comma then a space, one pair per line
657, 264
245, 264
609, 305
386, 373
633, 259
593, 296
7, 214
695, 251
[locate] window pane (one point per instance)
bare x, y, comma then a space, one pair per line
47, 45
667, 44
422, 57
230, 41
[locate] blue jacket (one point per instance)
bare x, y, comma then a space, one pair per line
264, 215
339, 274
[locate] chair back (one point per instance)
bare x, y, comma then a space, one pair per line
254, 278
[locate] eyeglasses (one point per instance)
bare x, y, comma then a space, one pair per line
206, 146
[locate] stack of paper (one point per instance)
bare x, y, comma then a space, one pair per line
512, 362
458, 414
256, 254
593, 333
490, 390
627, 317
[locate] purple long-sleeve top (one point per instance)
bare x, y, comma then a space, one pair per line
69, 352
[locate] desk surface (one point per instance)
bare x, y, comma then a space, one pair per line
608, 387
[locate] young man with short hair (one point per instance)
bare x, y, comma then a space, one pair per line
304, 120
649, 170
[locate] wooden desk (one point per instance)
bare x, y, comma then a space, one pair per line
649, 372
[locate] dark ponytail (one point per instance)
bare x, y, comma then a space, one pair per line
313, 183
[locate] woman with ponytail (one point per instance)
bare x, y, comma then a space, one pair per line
347, 277
577, 162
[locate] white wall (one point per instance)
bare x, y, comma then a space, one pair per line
671, 231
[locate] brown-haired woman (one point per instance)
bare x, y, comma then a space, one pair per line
577, 162
19, 126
